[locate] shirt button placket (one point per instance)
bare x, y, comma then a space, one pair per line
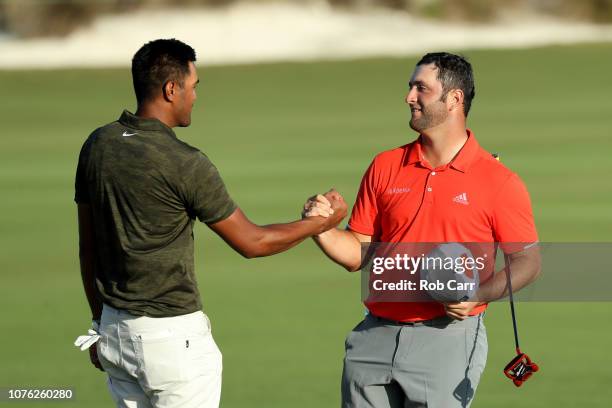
429, 188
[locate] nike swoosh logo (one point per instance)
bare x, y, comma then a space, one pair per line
126, 134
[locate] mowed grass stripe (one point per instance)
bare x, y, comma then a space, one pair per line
279, 133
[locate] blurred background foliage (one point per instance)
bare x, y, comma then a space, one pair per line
38, 18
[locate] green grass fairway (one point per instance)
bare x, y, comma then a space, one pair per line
279, 133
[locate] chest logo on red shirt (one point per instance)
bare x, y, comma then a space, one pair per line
398, 190
462, 199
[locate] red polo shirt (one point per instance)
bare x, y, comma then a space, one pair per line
474, 198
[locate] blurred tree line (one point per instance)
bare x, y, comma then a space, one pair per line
32, 18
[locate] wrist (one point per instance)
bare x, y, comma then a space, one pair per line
480, 297
323, 234
318, 225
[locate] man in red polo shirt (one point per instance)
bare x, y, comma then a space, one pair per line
442, 187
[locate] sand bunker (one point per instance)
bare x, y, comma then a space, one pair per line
246, 33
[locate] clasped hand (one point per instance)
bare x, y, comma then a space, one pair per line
330, 205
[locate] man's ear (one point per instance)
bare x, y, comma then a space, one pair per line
169, 90
455, 99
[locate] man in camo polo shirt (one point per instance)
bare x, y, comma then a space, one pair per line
139, 190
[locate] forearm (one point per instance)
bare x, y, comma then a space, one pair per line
252, 240
275, 238
524, 269
89, 285
86, 256
342, 247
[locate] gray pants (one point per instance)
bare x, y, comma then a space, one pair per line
436, 364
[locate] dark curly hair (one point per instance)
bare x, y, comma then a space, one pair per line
454, 72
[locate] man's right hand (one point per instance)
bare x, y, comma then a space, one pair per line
330, 206
341, 246
93, 357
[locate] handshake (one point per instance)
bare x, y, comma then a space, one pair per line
330, 206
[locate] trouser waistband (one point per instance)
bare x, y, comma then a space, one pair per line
438, 321
113, 315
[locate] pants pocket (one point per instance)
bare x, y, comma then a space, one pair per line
160, 358
202, 357
108, 352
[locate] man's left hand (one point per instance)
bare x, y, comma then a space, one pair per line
460, 310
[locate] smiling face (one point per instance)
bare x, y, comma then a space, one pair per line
426, 99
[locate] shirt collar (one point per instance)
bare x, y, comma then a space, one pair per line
461, 162
130, 120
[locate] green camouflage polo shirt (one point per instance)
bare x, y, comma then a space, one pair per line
145, 188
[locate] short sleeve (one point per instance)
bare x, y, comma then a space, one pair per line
81, 189
513, 223
365, 211
205, 192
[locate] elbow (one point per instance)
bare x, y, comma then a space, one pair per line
537, 267
537, 273
352, 268
248, 253
245, 255
255, 250
248, 246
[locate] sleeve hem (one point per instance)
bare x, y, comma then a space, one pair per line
226, 214
513, 248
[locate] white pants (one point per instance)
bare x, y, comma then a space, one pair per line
160, 362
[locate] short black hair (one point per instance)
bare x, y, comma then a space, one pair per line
454, 72
158, 62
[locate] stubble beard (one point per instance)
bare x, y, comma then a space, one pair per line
431, 116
